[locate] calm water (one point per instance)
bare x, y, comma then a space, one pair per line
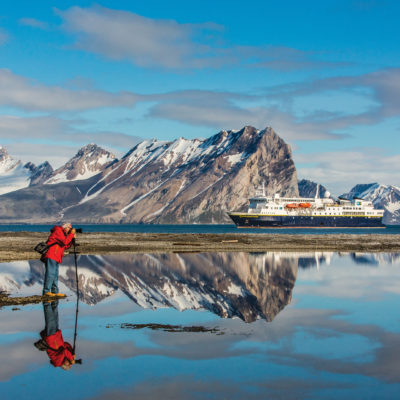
147, 228
272, 325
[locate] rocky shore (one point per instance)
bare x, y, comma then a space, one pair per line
19, 245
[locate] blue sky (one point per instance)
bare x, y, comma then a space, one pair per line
324, 74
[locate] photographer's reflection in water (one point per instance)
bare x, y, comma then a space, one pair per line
60, 353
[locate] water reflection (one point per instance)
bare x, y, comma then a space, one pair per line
250, 286
60, 353
338, 338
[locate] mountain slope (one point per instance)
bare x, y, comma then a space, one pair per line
189, 180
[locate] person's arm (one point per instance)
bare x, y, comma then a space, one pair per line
68, 353
69, 238
62, 240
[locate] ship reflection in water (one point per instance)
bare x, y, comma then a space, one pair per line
210, 325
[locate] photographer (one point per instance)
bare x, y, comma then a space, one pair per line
60, 238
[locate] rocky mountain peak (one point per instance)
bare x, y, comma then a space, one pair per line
87, 162
190, 180
7, 163
309, 189
40, 173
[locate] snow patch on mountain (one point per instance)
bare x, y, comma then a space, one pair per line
13, 176
14, 179
234, 158
235, 290
181, 150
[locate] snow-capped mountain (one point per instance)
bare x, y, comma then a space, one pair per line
382, 196
88, 161
15, 176
182, 181
189, 180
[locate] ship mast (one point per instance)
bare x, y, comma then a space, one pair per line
317, 192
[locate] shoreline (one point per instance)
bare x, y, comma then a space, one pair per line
18, 246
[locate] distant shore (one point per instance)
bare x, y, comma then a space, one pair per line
15, 246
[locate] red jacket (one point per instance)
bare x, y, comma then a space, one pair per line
58, 350
57, 235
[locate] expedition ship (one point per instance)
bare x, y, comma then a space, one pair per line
298, 212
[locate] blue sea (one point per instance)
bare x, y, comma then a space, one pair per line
199, 228
186, 326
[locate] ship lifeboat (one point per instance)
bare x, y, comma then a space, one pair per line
292, 205
304, 205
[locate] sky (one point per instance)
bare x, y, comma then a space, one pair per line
325, 75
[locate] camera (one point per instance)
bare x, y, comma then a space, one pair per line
78, 230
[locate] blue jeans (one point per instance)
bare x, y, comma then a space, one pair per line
51, 317
51, 276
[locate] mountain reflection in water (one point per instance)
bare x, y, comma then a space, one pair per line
250, 286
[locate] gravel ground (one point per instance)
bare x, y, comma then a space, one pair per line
19, 245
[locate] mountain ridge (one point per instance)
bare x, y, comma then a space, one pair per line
181, 181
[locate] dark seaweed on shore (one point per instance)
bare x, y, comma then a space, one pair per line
169, 328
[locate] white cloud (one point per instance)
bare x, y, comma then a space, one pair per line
219, 111
123, 35
56, 155
339, 171
382, 87
34, 23
24, 138
17, 128
20, 92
